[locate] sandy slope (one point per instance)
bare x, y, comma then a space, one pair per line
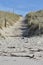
11, 30
13, 44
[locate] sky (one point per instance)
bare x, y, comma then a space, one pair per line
21, 6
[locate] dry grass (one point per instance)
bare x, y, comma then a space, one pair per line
35, 22
35, 17
10, 18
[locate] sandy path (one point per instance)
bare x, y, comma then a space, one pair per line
16, 47
19, 61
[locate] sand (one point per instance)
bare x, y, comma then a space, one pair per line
19, 61
18, 50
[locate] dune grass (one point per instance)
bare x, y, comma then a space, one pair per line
10, 18
35, 22
35, 18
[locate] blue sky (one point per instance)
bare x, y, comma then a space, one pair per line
21, 6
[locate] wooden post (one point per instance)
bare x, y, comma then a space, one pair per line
31, 20
13, 11
5, 22
39, 28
